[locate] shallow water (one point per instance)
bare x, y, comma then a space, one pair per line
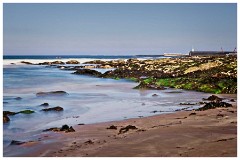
89, 100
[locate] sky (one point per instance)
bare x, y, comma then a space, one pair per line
117, 29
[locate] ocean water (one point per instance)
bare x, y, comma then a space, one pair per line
89, 99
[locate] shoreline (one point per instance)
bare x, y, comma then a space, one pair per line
212, 132
209, 133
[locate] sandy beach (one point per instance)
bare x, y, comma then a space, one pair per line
209, 133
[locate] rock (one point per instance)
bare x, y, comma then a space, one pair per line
5, 119
54, 129
26, 112
213, 98
50, 63
149, 86
191, 114
126, 129
186, 103
7, 113
232, 100
44, 104
64, 128
58, 62
89, 142
154, 95
14, 142
72, 62
213, 105
53, 109
80, 124
88, 72
106, 66
26, 62
112, 127
89, 66
18, 98
52, 93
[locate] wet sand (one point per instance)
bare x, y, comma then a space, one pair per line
210, 133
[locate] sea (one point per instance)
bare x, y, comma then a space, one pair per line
89, 99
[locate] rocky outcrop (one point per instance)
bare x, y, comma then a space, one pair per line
72, 62
5, 119
213, 98
44, 104
52, 93
51, 63
53, 109
29, 63
212, 105
88, 72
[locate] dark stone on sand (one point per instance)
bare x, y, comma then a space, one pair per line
212, 105
154, 95
54, 129
53, 109
44, 104
126, 129
88, 72
112, 127
5, 119
232, 100
14, 142
80, 124
52, 93
89, 142
64, 128
213, 98
191, 114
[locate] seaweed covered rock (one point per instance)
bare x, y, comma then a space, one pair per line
26, 112
143, 85
88, 72
53, 109
52, 93
212, 105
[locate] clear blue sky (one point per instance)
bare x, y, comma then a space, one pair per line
117, 29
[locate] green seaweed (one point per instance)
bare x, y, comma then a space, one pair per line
26, 112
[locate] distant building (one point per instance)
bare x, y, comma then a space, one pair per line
172, 54
211, 53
